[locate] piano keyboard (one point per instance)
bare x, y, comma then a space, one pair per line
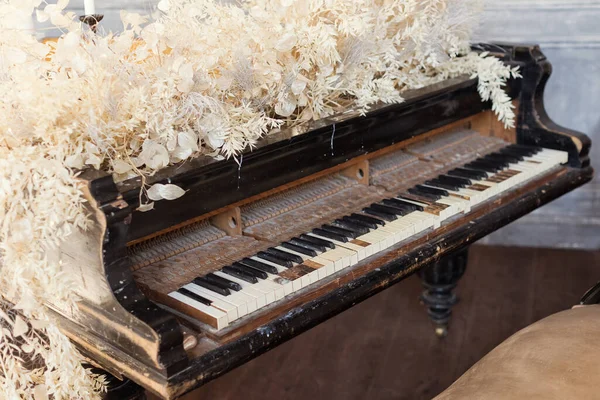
247, 285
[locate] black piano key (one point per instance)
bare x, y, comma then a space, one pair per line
442, 185
366, 218
388, 209
299, 249
531, 150
351, 226
259, 265
434, 191
284, 255
498, 161
412, 206
211, 286
426, 195
308, 245
506, 157
513, 153
483, 166
274, 259
356, 221
318, 241
249, 270
397, 205
222, 281
455, 180
330, 235
194, 296
340, 231
230, 270
378, 214
468, 173
516, 152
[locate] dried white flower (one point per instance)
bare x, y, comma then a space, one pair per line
204, 78
165, 192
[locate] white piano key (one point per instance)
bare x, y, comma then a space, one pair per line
286, 288
328, 265
230, 309
218, 319
261, 299
233, 298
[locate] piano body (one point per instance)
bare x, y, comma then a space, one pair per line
306, 226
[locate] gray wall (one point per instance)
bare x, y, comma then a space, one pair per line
568, 33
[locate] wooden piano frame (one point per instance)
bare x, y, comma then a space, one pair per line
121, 331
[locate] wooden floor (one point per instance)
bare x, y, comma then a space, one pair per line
384, 348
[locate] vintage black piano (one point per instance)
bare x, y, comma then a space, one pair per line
308, 225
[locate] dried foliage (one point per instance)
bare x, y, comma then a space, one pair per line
204, 78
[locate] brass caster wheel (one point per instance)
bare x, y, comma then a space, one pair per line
441, 331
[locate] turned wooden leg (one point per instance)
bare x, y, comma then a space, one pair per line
439, 280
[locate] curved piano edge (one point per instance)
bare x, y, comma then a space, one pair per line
393, 269
534, 125
117, 316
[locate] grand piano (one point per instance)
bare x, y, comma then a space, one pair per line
309, 223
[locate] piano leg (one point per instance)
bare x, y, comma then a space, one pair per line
439, 280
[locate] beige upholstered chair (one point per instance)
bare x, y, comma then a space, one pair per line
557, 358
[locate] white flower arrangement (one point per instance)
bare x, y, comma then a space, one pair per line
202, 78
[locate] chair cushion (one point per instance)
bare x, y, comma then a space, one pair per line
555, 358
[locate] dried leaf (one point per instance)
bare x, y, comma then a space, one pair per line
20, 327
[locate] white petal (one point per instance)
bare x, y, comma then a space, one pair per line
20, 327
215, 141
39, 324
94, 160
27, 348
11, 56
121, 167
165, 192
40, 393
287, 42
146, 207
164, 5
41, 15
180, 154
285, 108
186, 71
27, 303
71, 40
298, 86
188, 140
